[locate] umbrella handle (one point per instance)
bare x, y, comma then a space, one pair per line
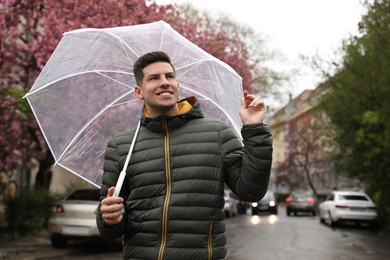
122, 175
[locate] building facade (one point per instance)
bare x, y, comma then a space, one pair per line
301, 146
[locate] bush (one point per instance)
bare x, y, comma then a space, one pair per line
29, 212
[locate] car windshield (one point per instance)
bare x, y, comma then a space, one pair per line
268, 196
85, 195
300, 195
352, 197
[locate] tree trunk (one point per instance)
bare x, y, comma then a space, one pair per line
310, 182
44, 174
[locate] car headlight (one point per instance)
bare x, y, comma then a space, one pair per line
254, 204
272, 203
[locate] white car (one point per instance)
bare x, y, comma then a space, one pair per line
348, 206
231, 204
74, 217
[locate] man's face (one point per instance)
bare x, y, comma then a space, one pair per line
159, 89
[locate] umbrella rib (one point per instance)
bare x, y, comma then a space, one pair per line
197, 63
193, 63
79, 175
115, 80
77, 74
123, 43
236, 128
40, 126
125, 102
124, 49
90, 122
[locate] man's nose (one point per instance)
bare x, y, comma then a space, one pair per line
164, 81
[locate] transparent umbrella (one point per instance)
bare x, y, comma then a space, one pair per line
85, 93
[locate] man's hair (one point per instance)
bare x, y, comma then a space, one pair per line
145, 60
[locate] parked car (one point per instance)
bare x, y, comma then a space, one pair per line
348, 206
267, 204
301, 201
74, 217
231, 203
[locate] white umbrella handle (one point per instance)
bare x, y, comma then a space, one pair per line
122, 175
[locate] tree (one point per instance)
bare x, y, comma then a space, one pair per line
359, 105
306, 163
31, 29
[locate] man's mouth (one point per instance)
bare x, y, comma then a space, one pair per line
165, 93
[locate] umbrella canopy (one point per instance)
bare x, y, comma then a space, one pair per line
85, 93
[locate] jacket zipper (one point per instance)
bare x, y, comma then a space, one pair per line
210, 243
168, 193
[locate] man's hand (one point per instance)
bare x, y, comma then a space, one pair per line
111, 208
252, 109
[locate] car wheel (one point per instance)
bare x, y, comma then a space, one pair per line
331, 222
227, 214
322, 220
314, 213
288, 213
275, 212
58, 241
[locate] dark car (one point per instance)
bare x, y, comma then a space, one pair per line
267, 204
301, 201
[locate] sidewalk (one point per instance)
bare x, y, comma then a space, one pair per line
10, 247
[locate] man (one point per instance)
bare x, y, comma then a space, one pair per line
171, 203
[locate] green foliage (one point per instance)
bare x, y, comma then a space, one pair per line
382, 199
29, 212
358, 105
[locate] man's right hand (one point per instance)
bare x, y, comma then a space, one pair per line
111, 208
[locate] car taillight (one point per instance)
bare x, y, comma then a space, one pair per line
227, 200
311, 200
289, 199
57, 209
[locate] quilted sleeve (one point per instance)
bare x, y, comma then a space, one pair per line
110, 176
248, 168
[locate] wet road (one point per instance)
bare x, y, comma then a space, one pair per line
301, 237
249, 238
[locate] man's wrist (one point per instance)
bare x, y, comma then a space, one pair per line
252, 126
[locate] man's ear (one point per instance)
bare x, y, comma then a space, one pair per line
138, 92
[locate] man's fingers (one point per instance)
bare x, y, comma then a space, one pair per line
247, 100
112, 218
259, 104
113, 208
110, 191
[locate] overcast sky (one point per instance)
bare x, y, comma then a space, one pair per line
293, 27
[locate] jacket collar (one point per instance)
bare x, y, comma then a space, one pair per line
189, 108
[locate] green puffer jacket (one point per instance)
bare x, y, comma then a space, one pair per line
174, 188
